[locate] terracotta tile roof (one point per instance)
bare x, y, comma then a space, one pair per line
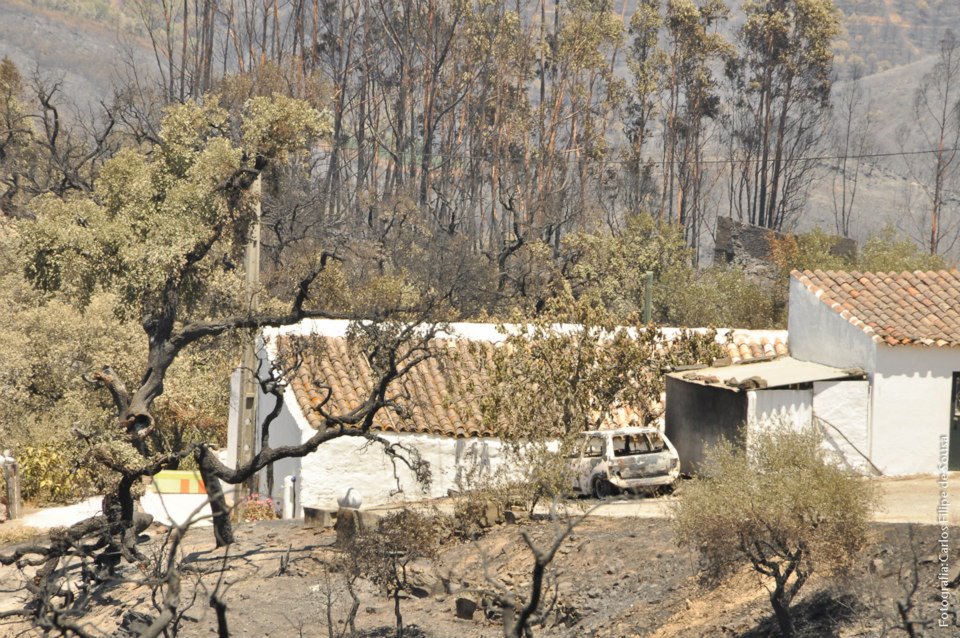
441, 395
919, 308
746, 345
438, 396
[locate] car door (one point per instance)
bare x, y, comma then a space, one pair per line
592, 457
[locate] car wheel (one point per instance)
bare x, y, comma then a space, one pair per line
602, 488
665, 490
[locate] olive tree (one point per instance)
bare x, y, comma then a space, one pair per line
778, 506
575, 368
163, 233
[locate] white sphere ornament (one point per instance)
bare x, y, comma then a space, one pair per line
350, 500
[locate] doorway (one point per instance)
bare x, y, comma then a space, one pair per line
954, 461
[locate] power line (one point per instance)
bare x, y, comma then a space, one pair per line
714, 161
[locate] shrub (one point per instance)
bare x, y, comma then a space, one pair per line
778, 506
384, 555
50, 474
257, 508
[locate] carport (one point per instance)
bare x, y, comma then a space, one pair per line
708, 404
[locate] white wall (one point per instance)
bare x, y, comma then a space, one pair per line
354, 462
843, 410
817, 333
911, 406
789, 407
778, 409
843, 403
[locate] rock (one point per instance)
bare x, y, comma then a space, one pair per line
351, 522
750, 383
466, 607
134, 623
510, 517
423, 579
492, 514
313, 517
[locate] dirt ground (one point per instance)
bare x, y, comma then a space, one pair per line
616, 577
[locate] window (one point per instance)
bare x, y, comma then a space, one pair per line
594, 447
626, 445
631, 444
656, 442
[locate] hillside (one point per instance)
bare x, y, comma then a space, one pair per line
885, 34
90, 46
89, 55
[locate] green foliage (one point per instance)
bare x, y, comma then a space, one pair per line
719, 296
54, 473
552, 381
51, 343
151, 215
610, 269
883, 252
886, 252
780, 507
806, 251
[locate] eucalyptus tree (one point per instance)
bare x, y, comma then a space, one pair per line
852, 138
781, 83
646, 61
692, 100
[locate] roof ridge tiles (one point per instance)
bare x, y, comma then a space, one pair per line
894, 308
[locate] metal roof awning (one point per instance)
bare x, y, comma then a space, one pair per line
778, 373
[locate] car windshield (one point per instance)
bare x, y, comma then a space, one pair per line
627, 444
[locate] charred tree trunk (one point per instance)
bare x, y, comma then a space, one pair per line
222, 527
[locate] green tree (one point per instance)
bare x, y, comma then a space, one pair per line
162, 233
573, 369
160, 238
15, 132
886, 251
719, 296
646, 61
780, 507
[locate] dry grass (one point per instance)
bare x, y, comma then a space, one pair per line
11, 533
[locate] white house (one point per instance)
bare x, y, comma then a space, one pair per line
437, 414
875, 363
440, 416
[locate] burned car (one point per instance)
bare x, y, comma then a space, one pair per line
633, 459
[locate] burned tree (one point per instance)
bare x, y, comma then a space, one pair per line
162, 232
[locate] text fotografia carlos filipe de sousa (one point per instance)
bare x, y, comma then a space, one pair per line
943, 508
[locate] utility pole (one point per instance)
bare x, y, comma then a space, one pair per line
249, 385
